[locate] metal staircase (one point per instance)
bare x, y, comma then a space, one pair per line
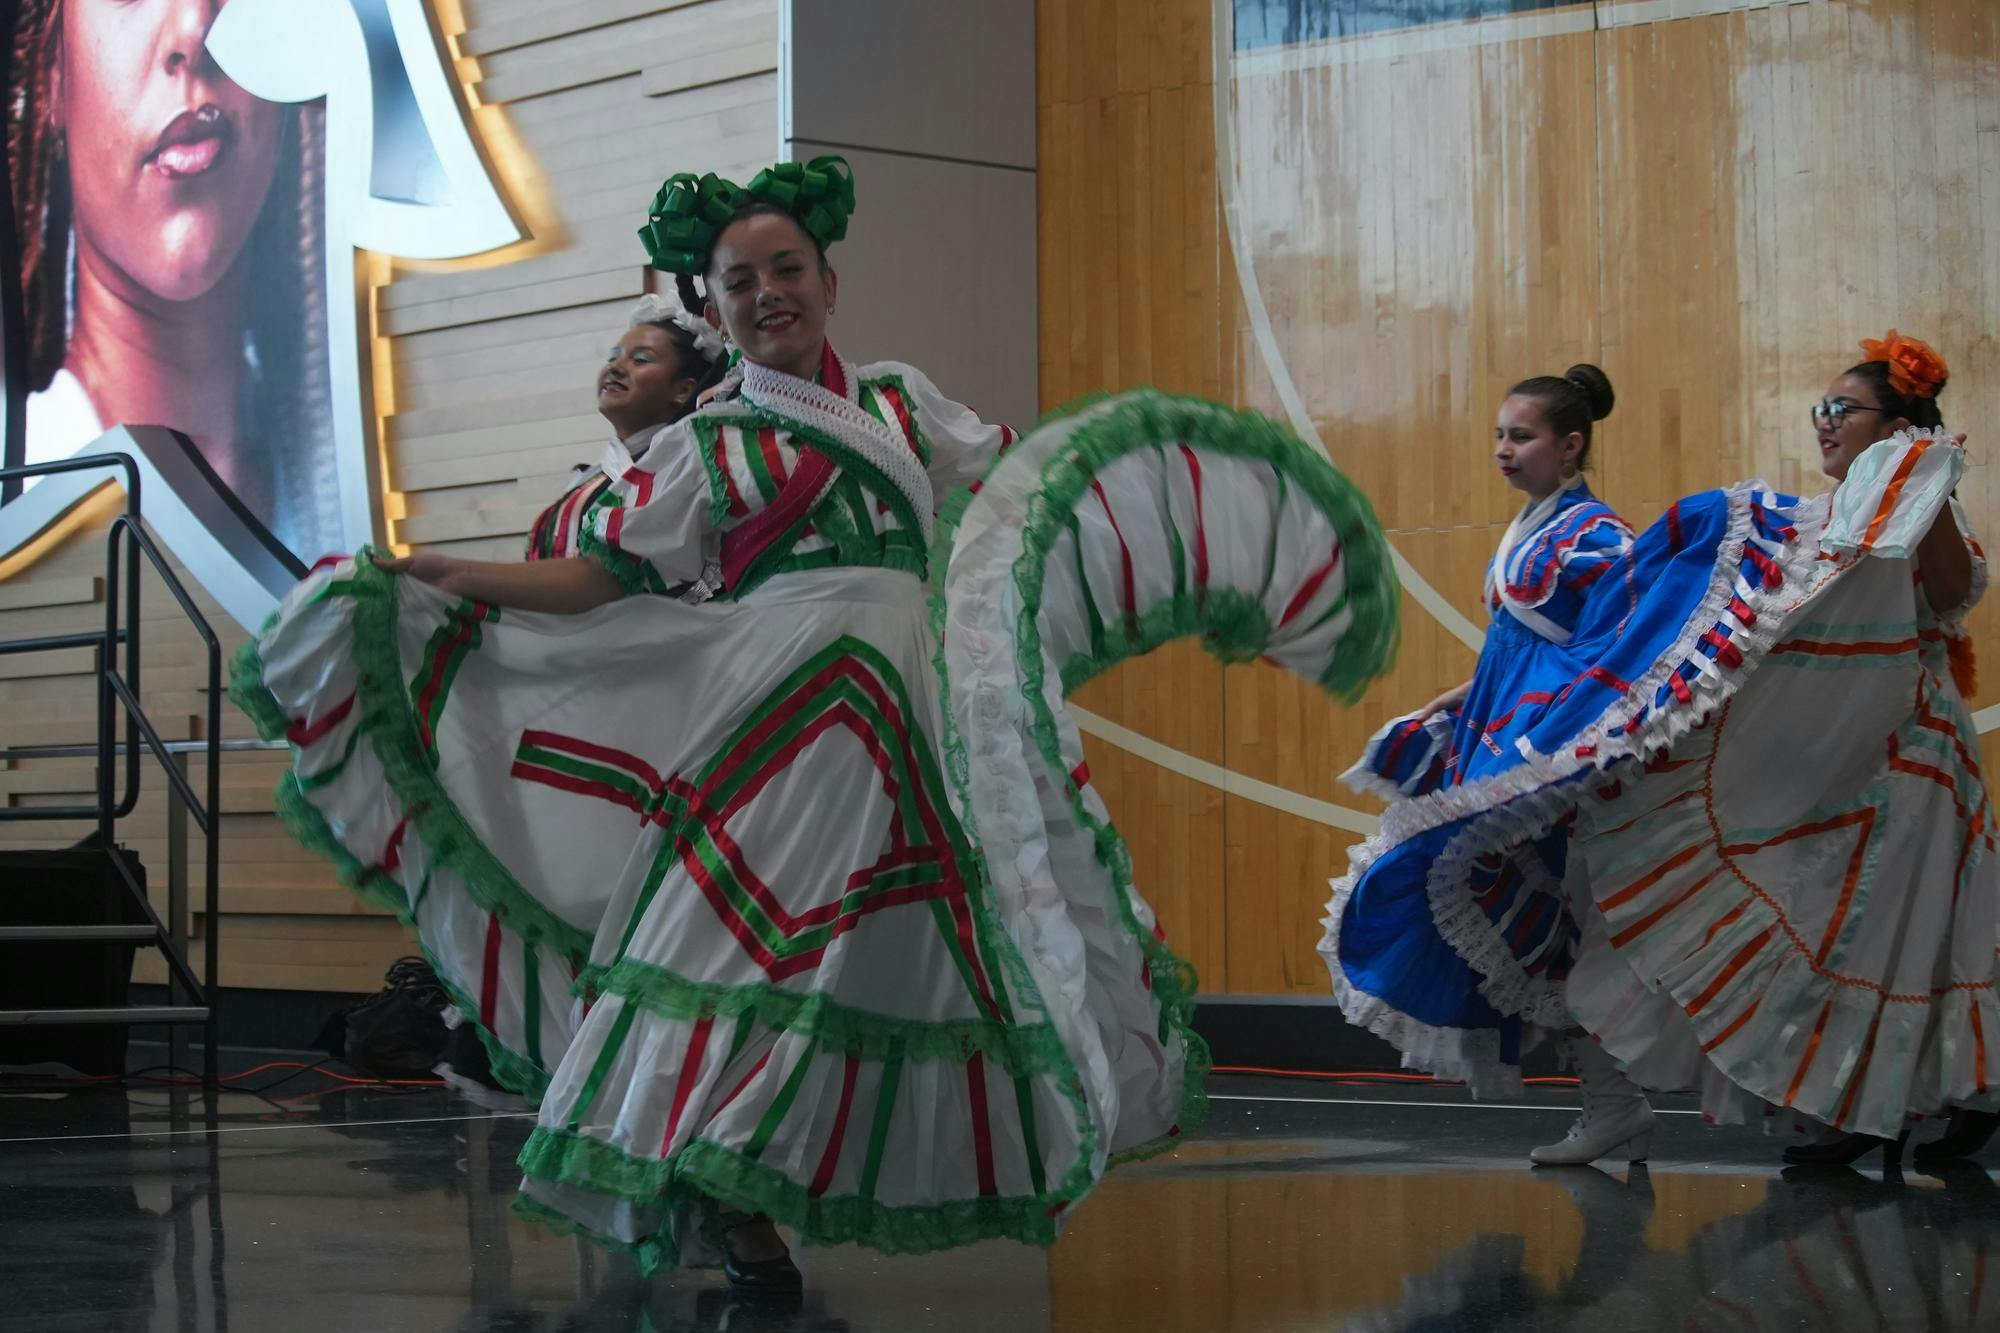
191, 1000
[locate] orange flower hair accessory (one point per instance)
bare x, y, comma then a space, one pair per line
1915, 368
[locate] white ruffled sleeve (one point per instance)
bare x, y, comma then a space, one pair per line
1892, 494
962, 447
658, 530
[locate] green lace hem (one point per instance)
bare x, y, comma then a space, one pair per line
1141, 421
1147, 418
1196, 1061
384, 717
1235, 625
649, 1255
728, 1178
515, 1072
1022, 1050
247, 690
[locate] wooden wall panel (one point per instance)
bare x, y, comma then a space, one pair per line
1132, 279
1712, 200
484, 376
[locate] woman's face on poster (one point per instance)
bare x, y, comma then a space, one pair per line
169, 161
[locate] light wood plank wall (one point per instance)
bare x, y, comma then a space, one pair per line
1713, 206
484, 373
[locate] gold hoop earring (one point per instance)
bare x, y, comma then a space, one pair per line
1570, 472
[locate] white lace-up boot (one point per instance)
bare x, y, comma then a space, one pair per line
1616, 1116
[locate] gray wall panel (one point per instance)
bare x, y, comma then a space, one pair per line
938, 269
933, 101
948, 78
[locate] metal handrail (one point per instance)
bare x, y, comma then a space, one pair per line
105, 812
48, 643
127, 532
133, 717
110, 458
118, 687
172, 747
204, 812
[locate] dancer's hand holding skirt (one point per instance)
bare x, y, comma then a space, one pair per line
801, 902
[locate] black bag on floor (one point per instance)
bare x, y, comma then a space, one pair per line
77, 886
398, 1032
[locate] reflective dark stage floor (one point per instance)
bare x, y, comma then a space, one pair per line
1300, 1207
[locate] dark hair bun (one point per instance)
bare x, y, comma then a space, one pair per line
1596, 386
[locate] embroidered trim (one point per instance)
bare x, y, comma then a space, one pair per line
846, 421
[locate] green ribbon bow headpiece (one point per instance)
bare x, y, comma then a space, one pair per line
690, 211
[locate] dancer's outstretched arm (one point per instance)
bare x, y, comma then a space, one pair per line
1444, 703
565, 586
1944, 561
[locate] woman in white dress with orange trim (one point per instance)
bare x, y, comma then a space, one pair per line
1797, 900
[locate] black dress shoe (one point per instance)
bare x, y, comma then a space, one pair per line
779, 1274
1848, 1149
1963, 1137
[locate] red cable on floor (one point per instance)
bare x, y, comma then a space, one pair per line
1370, 1076
190, 1082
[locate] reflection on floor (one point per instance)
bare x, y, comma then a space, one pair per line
1298, 1208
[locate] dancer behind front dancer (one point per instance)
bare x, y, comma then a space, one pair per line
649, 379
872, 963
1451, 938
1799, 899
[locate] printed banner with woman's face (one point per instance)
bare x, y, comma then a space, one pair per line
181, 260
172, 263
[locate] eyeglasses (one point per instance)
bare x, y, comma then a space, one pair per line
1831, 413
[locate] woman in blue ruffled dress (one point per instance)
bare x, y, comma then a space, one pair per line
1451, 937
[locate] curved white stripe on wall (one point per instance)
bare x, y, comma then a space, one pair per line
1222, 779
1414, 583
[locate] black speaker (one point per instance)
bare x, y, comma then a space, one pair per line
77, 886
